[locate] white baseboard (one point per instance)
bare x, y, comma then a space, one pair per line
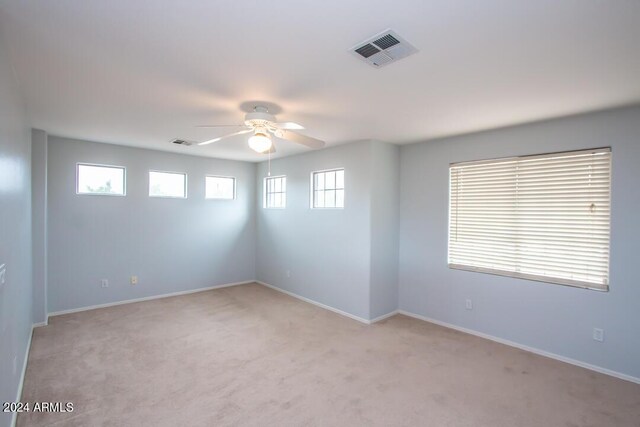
129, 301
384, 316
310, 301
39, 324
526, 348
14, 417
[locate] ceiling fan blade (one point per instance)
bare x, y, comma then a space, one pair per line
225, 136
220, 126
289, 125
300, 139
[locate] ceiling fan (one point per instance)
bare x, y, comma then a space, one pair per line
263, 124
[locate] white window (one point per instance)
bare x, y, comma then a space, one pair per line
100, 179
220, 187
275, 192
544, 217
327, 189
167, 184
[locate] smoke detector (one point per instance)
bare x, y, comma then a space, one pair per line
383, 48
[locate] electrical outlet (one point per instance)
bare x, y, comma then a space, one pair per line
468, 304
134, 280
598, 334
104, 283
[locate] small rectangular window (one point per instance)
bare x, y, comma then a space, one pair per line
327, 189
167, 184
220, 187
100, 179
275, 192
542, 217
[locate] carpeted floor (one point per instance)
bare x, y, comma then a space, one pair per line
250, 356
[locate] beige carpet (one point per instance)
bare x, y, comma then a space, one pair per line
250, 356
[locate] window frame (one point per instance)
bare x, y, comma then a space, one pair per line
186, 185
265, 192
604, 287
124, 179
220, 198
312, 190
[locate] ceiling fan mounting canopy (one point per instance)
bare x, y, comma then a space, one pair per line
259, 117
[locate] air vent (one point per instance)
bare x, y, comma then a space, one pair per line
181, 142
386, 41
367, 50
383, 48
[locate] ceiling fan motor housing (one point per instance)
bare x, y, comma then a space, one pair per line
259, 118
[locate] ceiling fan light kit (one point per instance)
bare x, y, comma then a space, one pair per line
263, 125
260, 142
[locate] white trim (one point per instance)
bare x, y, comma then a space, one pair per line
535, 277
186, 185
597, 150
14, 416
124, 179
39, 324
384, 316
312, 189
265, 193
310, 301
129, 301
233, 178
526, 348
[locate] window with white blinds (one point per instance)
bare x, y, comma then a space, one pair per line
543, 217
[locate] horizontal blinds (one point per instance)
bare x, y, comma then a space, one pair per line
541, 217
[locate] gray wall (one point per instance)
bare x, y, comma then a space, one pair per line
172, 245
385, 200
327, 251
344, 258
15, 234
549, 317
39, 155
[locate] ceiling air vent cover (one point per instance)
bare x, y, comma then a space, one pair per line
181, 142
383, 48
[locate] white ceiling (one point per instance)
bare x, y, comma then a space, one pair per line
141, 73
